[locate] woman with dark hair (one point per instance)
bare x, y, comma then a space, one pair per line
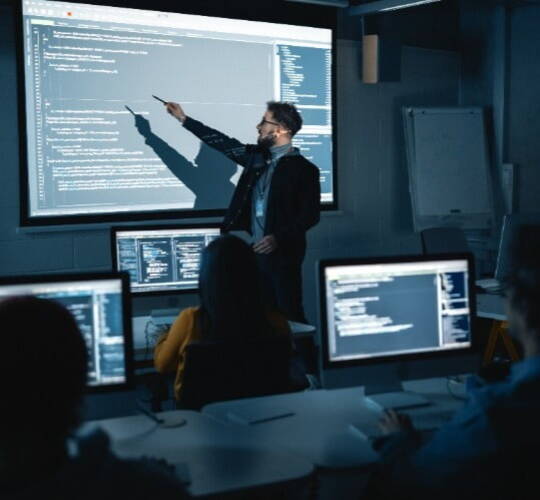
232, 307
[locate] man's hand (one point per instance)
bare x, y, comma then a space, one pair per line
395, 422
176, 110
266, 245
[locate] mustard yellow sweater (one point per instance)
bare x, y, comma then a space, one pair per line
169, 353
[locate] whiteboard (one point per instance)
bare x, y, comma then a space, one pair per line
448, 164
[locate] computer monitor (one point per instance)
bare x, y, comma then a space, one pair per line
519, 243
384, 320
100, 305
161, 259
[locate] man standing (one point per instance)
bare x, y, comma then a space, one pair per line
277, 198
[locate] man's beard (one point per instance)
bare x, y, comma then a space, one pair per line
267, 141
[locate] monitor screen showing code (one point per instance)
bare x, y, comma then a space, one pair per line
98, 143
379, 310
162, 260
97, 308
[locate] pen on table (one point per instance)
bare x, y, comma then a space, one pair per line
273, 417
159, 99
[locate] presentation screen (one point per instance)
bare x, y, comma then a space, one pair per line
160, 259
97, 145
99, 303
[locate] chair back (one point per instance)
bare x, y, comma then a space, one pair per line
220, 371
438, 240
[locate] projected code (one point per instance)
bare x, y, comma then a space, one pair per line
99, 318
89, 154
310, 89
162, 263
302, 86
85, 156
317, 148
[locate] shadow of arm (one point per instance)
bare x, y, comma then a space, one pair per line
178, 164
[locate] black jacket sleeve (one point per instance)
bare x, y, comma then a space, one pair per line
307, 212
230, 147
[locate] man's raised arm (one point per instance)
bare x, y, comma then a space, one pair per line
230, 147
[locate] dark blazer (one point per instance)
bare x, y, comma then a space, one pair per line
294, 197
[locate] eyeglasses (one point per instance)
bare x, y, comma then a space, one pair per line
263, 121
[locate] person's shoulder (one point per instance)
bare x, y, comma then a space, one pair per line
256, 157
186, 316
188, 312
302, 163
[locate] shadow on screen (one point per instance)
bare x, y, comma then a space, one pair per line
208, 177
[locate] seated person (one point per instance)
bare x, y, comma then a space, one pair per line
231, 307
489, 449
42, 379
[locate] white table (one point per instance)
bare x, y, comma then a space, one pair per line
330, 428
220, 457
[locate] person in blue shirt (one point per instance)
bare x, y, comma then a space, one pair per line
490, 448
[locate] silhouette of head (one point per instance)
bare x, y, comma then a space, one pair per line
43, 373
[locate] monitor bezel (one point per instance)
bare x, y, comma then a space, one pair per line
157, 227
327, 363
126, 319
28, 220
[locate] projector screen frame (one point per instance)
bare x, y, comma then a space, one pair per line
127, 324
26, 220
148, 227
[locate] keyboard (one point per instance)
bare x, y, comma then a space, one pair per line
489, 284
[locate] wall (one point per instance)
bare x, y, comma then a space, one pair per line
523, 117
499, 46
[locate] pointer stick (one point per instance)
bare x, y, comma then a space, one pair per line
159, 99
